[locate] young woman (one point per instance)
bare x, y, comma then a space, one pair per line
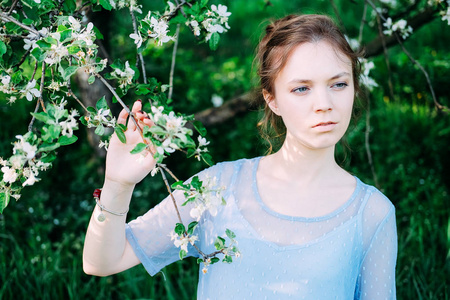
306, 228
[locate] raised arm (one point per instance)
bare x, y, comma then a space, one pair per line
106, 250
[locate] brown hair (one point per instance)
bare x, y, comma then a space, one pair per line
281, 37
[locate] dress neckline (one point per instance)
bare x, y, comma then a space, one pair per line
299, 218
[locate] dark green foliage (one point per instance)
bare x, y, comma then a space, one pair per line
41, 236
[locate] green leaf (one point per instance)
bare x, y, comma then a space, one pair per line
91, 79
207, 158
177, 184
179, 229
183, 254
69, 71
47, 147
100, 130
139, 148
27, 21
199, 127
230, 234
219, 243
50, 132
214, 41
91, 110
73, 49
2, 48
214, 260
199, 260
65, 35
196, 183
39, 54
65, 140
4, 200
227, 259
101, 103
48, 157
203, 3
43, 117
105, 3
191, 227
120, 133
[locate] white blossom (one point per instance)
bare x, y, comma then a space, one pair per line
137, 39
365, 79
202, 141
125, 77
30, 180
183, 241
216, 100
159, 30
401, 26
22, 145
9, 174
29, 91
56, 54
446, 15
70, 124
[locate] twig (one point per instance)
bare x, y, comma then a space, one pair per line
72, 94
386, 58
7, 18
166, 182
40, 101
163, 166
35, 69
363, 22
430, 86
12, 6
22, 60
367, 144
338, 16
41, 89
141, 58
172, 67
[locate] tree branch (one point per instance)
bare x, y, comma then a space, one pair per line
7, 18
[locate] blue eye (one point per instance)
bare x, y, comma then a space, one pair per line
302, 89
340, 85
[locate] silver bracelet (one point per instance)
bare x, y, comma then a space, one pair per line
101, 217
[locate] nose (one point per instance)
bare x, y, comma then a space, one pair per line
322, 101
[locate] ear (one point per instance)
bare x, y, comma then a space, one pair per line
271, 102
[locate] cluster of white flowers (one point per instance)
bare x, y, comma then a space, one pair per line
125, 76
366, 67
391, 3
401, 26
70, 124
173, 126
183, 241
207, 197
216, 21
446, 14
31, 39
158, 29
24, 154
103, 118
81, 33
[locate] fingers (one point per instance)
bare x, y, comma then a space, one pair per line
122, 119
137, 106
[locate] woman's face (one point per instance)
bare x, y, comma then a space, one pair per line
314, 94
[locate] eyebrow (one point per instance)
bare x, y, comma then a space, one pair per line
342, 74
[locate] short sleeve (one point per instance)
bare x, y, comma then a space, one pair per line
376, 280
149, 235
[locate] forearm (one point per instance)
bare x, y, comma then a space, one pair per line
105, 241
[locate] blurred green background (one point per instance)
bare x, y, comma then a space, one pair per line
41, 235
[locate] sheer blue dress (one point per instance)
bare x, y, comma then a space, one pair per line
349, 253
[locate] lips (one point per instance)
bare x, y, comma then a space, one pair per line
324, 124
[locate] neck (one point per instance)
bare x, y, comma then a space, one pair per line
304, 164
